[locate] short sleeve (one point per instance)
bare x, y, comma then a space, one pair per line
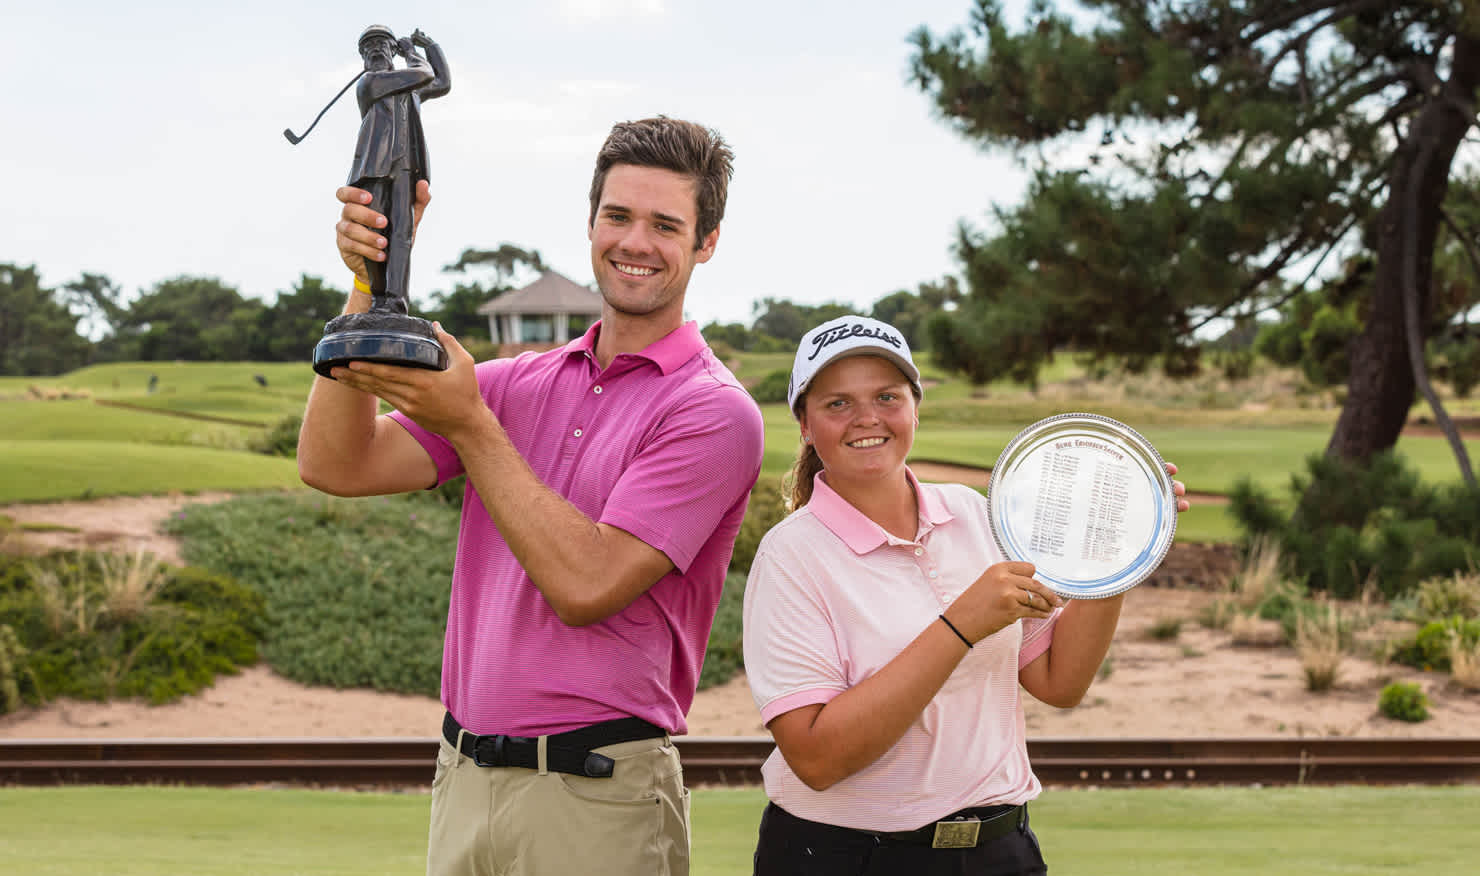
677, 489
791, 650
449, 464
1037, 637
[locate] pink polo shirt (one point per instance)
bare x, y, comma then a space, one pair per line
832, 598
664, 444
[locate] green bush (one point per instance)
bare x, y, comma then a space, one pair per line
1357, 525
356, 590
280, 440
771, 388
12, 663
1404, 701
479, 348
725, 653
1429, 647
74, 643
766, 509
1448, 596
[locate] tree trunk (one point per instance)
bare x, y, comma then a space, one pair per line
1380, 388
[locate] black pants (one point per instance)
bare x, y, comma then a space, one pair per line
792, 846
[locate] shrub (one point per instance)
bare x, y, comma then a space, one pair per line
280, 440
1165, 629
1456, 595
1430, 647
12, 662
355, 590
169, 636
766, 509
1404, 701
480, 349
771, 388
725, 654
1355, 526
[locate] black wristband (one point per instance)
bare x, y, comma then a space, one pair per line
964, 640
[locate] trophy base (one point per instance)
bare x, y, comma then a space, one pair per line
387, 338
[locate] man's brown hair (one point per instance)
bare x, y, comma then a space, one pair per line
693, 150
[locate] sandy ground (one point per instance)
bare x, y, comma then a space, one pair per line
1198, 684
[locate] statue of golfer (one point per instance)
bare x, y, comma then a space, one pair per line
391, 153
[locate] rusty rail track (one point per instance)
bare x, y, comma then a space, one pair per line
737, 761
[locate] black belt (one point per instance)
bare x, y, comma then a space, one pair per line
962, 830
568, 752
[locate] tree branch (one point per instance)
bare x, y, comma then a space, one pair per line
1277, 22
1412, 330
1464, 238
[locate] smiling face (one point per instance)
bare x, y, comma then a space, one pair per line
643, 243
861, 417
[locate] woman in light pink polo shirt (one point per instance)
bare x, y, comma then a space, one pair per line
886, 637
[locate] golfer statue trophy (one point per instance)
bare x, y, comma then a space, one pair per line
390, 158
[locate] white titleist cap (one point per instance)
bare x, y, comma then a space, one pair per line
848, 336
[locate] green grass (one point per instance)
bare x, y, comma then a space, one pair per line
161, 442
41, 470
125, 379
83, 419
1351, 831
1213, 447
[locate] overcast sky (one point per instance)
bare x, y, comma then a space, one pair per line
144, 140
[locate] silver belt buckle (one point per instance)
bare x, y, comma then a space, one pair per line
959, 834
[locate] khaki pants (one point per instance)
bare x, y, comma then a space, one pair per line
507, 821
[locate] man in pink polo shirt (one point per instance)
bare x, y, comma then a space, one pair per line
606, 483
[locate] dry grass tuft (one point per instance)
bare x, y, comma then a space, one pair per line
1318, 644
129, 582
1219, 612
1440, 598
1260, 575
1464, 662
1165, 629
1253, 631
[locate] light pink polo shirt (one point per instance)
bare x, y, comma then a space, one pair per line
664, 444
832, 598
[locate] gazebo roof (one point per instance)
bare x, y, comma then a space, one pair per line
551, 293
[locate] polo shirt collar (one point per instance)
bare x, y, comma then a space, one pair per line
855, 529
669, 352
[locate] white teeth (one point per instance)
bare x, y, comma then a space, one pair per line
866, 442
634, 270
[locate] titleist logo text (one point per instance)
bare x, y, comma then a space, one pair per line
844, 332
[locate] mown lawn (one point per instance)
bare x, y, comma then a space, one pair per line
1351, 831
45, 470
1214, 448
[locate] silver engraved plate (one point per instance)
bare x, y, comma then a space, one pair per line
1086, 500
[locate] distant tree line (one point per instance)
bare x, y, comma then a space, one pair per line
779, 324
47, 331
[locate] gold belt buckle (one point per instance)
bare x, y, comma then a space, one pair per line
959, 834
